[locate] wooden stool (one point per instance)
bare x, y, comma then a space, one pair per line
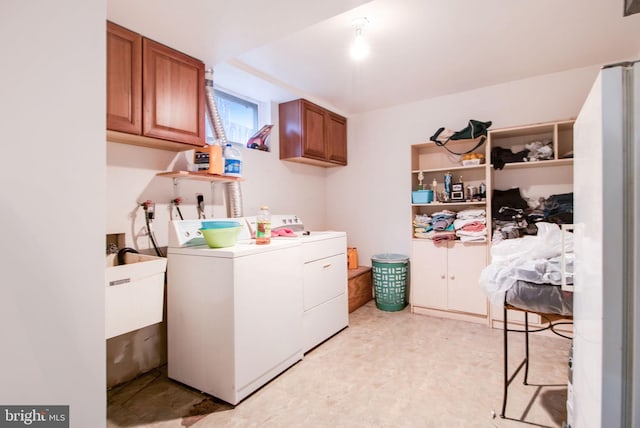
360, 287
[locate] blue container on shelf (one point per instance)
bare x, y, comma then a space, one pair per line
422, 196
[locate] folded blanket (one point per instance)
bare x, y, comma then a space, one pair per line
422, 220
475, 227
473, 238
471, 214
443, 236
463, 232
471, 222
444, 224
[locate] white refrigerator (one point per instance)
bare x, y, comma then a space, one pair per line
605, 383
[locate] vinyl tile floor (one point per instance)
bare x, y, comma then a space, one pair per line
387, 369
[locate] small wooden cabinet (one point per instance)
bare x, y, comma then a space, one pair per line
444, 278
155, 94
360, 287
312, 134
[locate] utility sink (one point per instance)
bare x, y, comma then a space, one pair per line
134, 292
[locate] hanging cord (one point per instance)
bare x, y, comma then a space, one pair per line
176, 203
149, 214
200, 206
443, 144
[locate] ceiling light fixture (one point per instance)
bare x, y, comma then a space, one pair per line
359, 48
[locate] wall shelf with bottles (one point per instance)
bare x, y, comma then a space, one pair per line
199, 175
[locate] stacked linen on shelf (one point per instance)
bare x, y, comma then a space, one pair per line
514, 216
438, 227
422, 226
443, 229
471, 225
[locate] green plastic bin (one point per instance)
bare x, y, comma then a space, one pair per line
390, 273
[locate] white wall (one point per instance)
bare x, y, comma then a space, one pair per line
52, 209
370, 198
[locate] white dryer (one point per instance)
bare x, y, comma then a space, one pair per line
325, 280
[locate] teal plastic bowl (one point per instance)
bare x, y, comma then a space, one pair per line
221, 237
219, 224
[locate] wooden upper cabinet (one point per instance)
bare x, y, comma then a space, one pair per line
173, 95
155, 94
124, 79
337, 138
312, 134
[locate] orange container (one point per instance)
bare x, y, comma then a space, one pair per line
216, 164
352, 258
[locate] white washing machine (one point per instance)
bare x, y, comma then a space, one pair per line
233, 314
325, 278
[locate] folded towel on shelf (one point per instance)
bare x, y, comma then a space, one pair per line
422, 220
446, 213
471, 214
462, 232
422, 229
482, 238
443, 236
444, 224
475, 227
460, 224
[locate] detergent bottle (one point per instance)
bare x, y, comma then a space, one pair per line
232, 161
263, 226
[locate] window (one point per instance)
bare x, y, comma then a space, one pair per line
239, 118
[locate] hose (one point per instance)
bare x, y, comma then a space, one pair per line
233, 193
148, 216
176, 202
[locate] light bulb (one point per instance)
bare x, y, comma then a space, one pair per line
359, 49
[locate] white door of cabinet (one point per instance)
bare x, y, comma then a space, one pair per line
465, 262
429, 275
446, 276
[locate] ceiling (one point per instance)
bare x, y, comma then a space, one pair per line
419, 48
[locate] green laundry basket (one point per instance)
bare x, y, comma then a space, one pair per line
390, 273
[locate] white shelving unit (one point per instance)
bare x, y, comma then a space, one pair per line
444, 277
539, 179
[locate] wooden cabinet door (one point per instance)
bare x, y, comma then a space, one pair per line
336, 138
465, 262
124, 80
314, 131
173, 95
312, 134
429, 275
